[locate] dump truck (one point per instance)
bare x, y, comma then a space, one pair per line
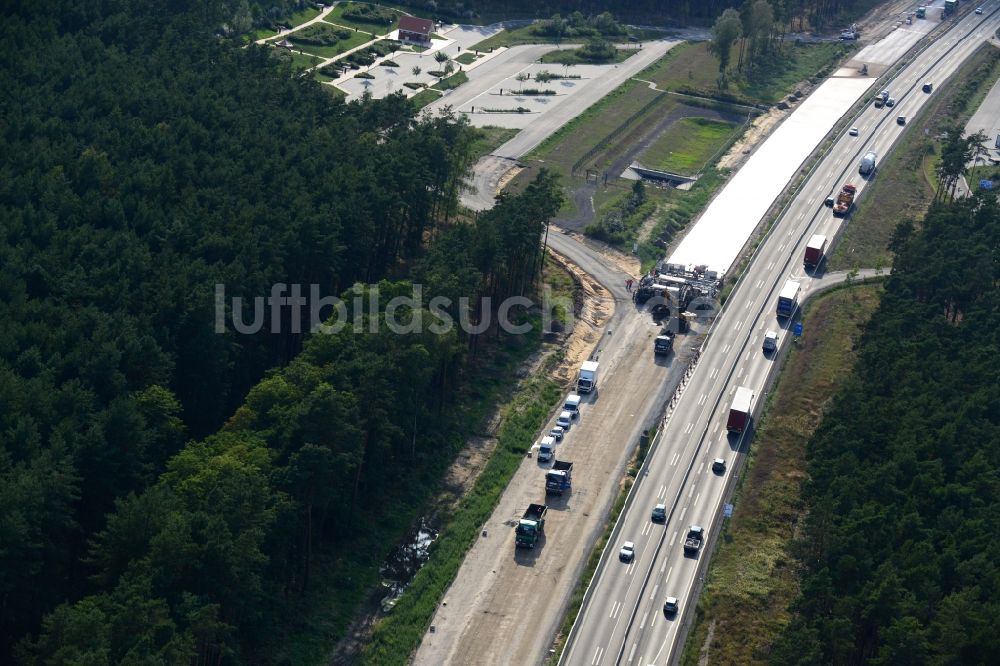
531, 526
788, 299
559, 479
845, 199
867, 165
587, 381
815, 249
694, 539
663, 344
739, 411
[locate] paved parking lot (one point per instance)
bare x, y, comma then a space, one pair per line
391, 79
456, 39
545, 113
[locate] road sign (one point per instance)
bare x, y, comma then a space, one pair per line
798, 329
986, 184
727, 510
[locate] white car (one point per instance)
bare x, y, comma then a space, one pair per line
979, 10
627, 552
853, 131
558, 433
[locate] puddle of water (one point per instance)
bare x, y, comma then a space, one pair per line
404, 562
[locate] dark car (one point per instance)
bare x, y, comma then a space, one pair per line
659, 513
670, 606
829, 202
901, 120
718, 465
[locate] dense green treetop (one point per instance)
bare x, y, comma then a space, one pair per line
900, 551
146, 161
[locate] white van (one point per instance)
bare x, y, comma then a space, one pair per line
547, 449
565, 419
572, 404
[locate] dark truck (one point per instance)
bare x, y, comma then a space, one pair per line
739, 413
663, 344
559, 479
694, 540
531, 526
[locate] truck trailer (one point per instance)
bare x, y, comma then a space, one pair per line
694, 540
867, 165
559, 479
788, 299
587, 381
815, 249
739, 412
531, 526
845, 199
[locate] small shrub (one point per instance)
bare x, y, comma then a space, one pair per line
333, 69
361, 58
320, 34
363, 75
544, 76
519, 109
388, 63
365, 13
413, 85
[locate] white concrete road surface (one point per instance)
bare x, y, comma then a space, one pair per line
885, 52
718, 237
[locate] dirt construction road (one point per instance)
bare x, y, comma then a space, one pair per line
506, 604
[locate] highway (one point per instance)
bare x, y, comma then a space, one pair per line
622, 620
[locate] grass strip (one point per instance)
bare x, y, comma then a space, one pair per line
594, 124
453, 81
752, 578
579, 57
490, 138
687, 146
425, 97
